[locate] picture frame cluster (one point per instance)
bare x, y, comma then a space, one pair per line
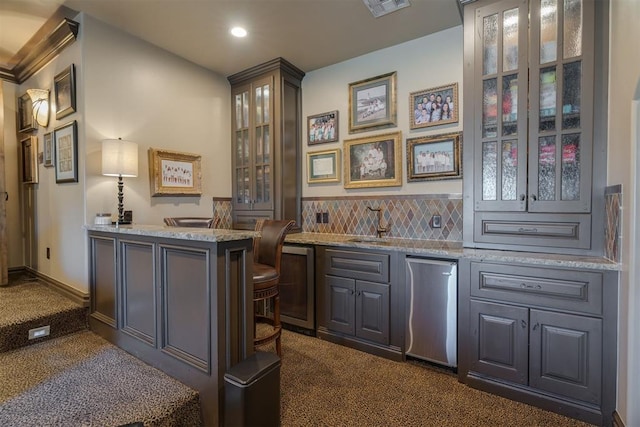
60, 146
376, 161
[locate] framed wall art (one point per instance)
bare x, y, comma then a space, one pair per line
65, 92
65, 152
372, 103
29, 151
322, 128
434, 157
26, 121
374, 161
433, 107
323, 166
173, 173
47, 149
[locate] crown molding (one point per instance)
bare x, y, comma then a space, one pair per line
52, 38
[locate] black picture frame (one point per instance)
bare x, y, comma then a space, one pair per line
434, 157
65, 151
64, 85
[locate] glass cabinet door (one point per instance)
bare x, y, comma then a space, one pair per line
262, 108
501, 122
241, 156
561, 106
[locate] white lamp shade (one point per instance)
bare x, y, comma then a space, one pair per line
119, 158
40, 103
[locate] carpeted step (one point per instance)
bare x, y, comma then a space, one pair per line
82, 380
28, 304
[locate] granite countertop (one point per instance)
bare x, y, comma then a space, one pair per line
185, 233
451, 249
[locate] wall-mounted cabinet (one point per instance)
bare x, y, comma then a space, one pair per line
533, 110
266, 143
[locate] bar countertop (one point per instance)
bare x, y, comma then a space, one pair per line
184, 233
452, 249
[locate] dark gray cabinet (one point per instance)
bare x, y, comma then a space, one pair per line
266, 108
359, 308
532, 115
545, 336
359, 299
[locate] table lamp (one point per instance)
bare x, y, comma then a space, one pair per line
120, 158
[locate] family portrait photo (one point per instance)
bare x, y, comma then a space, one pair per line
435, 106
434, 157
373, 161
322, 128
372, 103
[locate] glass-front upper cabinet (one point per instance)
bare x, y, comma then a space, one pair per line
252, 122
535, 109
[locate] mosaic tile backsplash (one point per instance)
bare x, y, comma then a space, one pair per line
405, 216
613, 219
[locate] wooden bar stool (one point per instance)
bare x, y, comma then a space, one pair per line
267, 252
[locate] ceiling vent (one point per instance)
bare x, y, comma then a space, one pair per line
379, 8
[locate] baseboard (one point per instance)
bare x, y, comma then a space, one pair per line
617, 421
68, 291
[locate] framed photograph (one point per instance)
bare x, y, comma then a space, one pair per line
172, 173
372, 103
323, 166
374, 161
433, 107
322, 128
26, 121
434, 157
48, 150
65, 92
65, 152
29, 150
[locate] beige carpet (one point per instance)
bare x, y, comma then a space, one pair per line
323, 384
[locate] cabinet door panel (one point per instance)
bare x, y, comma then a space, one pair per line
566, 355
372, 311
500, 336
340, 299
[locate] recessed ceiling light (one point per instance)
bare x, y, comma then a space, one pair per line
238, 32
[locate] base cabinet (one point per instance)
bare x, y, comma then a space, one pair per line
543, 336
359, 300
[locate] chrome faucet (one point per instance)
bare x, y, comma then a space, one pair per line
379, 227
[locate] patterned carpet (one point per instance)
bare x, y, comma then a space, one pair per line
324, 384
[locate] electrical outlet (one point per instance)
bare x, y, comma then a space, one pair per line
436, 221
318, 217
325, 217
48, 253
40, 332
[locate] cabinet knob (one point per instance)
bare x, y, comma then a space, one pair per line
524, 324
533, 197
536, 326
523, 197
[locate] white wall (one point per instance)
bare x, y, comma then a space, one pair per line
423, 63
130, 89
15, 256
141, 93
623, 166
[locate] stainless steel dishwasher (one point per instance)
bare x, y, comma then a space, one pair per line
432, 296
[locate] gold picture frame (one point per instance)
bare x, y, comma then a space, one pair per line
29, 151
173, 173
434, 157
323, 166
374, 161
422, 112
26, 120
372, 103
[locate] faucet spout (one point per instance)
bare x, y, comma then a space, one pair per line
379, 227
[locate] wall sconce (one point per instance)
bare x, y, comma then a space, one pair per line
120, 158
40, 103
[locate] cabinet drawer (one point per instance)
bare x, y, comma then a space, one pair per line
572, 290
358, 265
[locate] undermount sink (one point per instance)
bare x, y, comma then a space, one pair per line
372, 240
